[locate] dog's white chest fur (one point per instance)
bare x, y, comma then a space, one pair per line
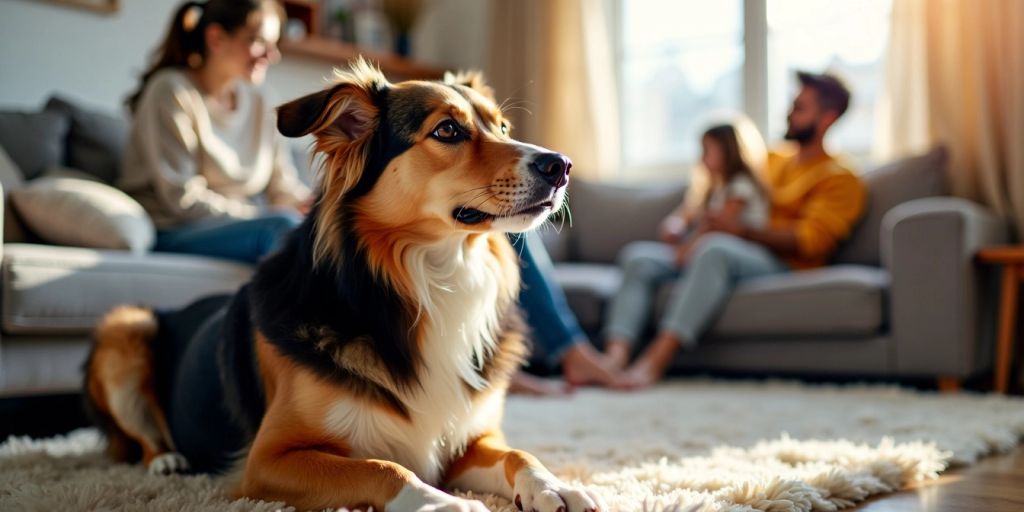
458, 287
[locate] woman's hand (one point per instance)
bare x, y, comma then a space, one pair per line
672, 229
306, 206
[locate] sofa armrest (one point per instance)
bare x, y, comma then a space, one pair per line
928, 246
3, 221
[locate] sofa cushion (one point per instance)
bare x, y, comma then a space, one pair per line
10, 175
587, 288
49, 290
11, 179
84, 213
95, 140
608, 216
844, 300
888, 186
34, 140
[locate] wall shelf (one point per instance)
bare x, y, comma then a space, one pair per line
339, 53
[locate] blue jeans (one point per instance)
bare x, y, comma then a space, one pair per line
242, 240
718, 263
554, 326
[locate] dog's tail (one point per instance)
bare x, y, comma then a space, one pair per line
120, 389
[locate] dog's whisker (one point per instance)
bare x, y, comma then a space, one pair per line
485, 187
484, 200
479, 195
524, 109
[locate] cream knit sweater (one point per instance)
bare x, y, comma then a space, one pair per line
189, 159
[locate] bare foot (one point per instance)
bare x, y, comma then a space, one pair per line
650, 367
617, 352
583, 365
639, 376
525, 384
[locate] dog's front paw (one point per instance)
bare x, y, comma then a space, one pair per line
424, 498
168, 463
540, 491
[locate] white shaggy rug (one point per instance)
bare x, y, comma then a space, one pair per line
688, 445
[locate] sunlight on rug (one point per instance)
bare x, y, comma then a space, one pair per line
686, 446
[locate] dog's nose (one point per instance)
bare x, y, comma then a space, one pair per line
553, 168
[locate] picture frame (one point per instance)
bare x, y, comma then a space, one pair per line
97, 6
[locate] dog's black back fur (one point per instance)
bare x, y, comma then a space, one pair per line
309, 312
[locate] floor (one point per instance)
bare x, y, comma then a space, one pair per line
995, 484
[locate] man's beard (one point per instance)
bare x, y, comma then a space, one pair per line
800, 135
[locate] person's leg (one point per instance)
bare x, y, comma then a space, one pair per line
644, 265
241, 240
719, 262
554, 326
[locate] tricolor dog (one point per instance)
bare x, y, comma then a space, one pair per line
366, 363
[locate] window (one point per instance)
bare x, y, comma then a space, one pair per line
682, 62
679, 60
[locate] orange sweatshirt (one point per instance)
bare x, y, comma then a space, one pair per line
820, 200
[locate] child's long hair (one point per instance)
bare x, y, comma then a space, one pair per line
184, 46
734, 164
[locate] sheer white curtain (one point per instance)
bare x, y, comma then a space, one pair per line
553, 60
956, 76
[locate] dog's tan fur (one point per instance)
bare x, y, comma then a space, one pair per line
324, 443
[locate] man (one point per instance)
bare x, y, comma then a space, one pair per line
815, 203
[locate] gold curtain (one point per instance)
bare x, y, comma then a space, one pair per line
552, 60
956, 77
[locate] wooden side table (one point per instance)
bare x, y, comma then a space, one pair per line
1011, 257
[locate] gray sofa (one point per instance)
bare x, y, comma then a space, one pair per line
903, 298
52, 295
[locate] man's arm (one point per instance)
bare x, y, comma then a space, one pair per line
782, 242
827, 216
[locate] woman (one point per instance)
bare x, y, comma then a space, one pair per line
204, 149
204, 158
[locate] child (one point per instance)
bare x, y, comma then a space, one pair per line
733, 191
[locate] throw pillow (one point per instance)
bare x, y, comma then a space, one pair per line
10, 174
84, 213
887, 186
34, 140
95, 140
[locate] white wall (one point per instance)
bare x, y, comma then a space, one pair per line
96, 59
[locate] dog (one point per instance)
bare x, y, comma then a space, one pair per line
366, 362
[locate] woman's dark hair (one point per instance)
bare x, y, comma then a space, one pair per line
184, 45
732, 154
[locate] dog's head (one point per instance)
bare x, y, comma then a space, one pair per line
425, 158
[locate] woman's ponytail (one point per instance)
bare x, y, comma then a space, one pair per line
184, 46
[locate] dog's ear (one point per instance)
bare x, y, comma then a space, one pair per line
346, 110
298, 117
472, 79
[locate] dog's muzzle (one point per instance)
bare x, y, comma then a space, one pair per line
553, 171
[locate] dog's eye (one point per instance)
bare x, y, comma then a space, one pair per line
448, 131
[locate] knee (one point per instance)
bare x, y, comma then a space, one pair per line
713, 247
643, 257
274, 228
642, 266
280, 223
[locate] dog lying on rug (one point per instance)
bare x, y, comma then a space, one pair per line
366, 362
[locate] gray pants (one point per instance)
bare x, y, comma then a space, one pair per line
718, 263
